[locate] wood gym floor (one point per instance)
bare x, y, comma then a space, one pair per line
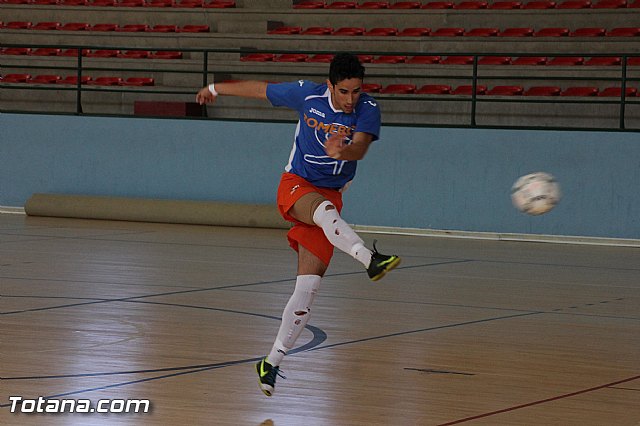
463, 332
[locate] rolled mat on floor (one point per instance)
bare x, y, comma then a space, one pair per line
159, 211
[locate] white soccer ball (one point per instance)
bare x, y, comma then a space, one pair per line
535, 193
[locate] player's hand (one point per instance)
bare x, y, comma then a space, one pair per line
204, 96
334, 145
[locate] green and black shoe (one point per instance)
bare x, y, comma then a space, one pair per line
267, 376
381, 264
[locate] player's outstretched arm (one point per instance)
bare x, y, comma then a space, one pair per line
246, 89
356, 150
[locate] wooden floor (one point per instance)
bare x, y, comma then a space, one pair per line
463, 332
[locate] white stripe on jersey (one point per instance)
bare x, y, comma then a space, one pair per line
288, 167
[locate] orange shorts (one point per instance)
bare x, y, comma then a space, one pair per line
312, 237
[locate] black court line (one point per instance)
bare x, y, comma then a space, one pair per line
308, 347
171, 293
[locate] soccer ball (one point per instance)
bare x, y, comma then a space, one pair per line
535, 193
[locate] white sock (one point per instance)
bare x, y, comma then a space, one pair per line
340, 234
295, 316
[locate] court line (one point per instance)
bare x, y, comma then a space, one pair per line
542, 401
171, 293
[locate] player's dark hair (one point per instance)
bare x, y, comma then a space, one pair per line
345, 66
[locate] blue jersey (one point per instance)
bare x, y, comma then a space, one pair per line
317, 121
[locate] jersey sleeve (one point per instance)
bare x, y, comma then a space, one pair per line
290, 95
369, 118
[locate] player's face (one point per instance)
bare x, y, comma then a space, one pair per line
345, 94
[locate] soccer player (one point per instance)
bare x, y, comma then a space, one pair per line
337, 123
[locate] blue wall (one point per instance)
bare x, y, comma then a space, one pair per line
454, 179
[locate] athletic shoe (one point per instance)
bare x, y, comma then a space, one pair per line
267, 376
381, 264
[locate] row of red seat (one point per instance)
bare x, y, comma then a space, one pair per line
72, 79
479, 4
458, 32
100, 53
448, 60
216, 4
84, 26
511, 90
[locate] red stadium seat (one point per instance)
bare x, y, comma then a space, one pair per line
105, 27
317, 31
552, 32
381, 32
18, 25
103, 53
291, 57
138, 81
588, 32
74, 52
457, 60
506, 91
482, 32
130, 3
17, 1
398, 89
220, 4
73, 2
617, 92
322, 58
604, 61
580, 91
494, 60
194, 29
624, 32
405, 5
438, 5
16, 78
574, 4
46, 51
164, 29
539, 4
634, 5
16, 51
44, 2
633, 61
543, 91
341, 5
166, 54
258, 57
45, 79
505, 5
73, 79
102, 3
134, 54
349, 31
448, 32
434, 89
365, 59
159, 3
107, 81
47, 26
566, 61
389, 59
133, 28
374, 5
371, 87
309, 5
516, 32
75, 26
424, 60
467, 90
609, 4
529, 60
189, 3
471, 5
414, 32
285, 30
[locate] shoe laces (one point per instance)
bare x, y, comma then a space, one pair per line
375, 250
271, 375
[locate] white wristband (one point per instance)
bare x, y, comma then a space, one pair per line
212, 89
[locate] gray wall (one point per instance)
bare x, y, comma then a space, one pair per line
452, 179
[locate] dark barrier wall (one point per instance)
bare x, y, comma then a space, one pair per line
448, 179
